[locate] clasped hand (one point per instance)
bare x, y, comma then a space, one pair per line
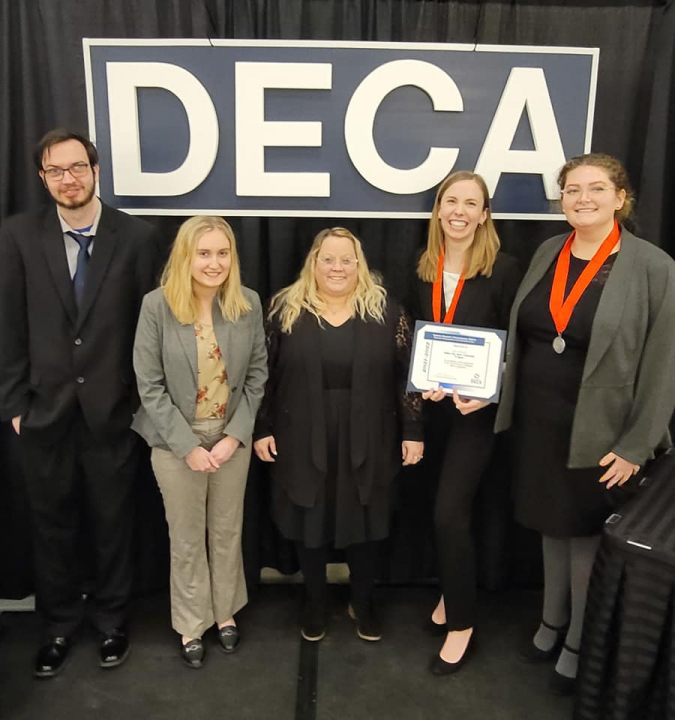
200, 459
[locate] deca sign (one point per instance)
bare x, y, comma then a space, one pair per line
332, 129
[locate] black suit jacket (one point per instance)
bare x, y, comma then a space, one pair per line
292, 409
53, 357
484, 302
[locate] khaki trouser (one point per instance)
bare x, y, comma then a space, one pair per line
207, 584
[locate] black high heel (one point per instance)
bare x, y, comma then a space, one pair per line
441, 667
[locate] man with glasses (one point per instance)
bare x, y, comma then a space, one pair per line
72, 277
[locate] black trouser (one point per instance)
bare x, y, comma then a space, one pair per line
362, 561
469, 441
78, 482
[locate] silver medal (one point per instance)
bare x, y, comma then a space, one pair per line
559, 344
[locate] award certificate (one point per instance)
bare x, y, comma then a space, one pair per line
457, 356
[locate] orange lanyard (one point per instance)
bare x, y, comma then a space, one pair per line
438, 289
562, 308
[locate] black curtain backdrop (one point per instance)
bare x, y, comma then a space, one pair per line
42, 86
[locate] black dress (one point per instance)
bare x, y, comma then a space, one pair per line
337, 518
549, 497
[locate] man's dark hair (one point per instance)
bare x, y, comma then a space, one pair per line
59, 135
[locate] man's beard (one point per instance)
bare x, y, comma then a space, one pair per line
75, 204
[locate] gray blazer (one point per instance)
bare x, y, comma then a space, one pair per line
627, 393
165, 361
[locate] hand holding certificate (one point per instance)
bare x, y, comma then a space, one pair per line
468, 359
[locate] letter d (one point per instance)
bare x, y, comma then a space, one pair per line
124, 78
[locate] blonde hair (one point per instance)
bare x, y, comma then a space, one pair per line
482, 253
177, 276
368, 297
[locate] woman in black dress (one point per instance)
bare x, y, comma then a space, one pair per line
338, 351
590, 385
461, 279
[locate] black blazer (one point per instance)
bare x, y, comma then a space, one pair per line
484, 302
51, 356
292, 409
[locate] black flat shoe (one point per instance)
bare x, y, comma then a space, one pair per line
228, 638
531, 654
114, 648
440, 667
433, 628
561, 685
193, 653
312, 622
52, 657
367, 624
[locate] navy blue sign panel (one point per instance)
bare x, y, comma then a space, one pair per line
334, 129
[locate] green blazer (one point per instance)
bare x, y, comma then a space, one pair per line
627, 392
165, 361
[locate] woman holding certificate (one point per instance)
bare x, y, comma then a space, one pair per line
201, 367
463, 279
589, 387
338, 349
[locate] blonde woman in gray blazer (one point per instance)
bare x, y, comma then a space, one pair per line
201, 366
590, 394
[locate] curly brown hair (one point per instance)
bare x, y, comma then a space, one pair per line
616, 173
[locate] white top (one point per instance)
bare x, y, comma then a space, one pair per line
450, 281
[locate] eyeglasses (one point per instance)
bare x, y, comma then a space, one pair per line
345, 263
78, 169
596, 191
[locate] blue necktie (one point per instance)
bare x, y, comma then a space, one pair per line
80, 276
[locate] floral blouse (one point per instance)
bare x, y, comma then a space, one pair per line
212, 388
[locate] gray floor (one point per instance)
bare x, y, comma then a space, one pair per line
356, 680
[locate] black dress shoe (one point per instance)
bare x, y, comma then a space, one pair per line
531, 654
312, 622
228, 638
441, 667
193, 653
51, 657
367, 624
114, 648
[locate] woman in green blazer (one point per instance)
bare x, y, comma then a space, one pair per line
589, 388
